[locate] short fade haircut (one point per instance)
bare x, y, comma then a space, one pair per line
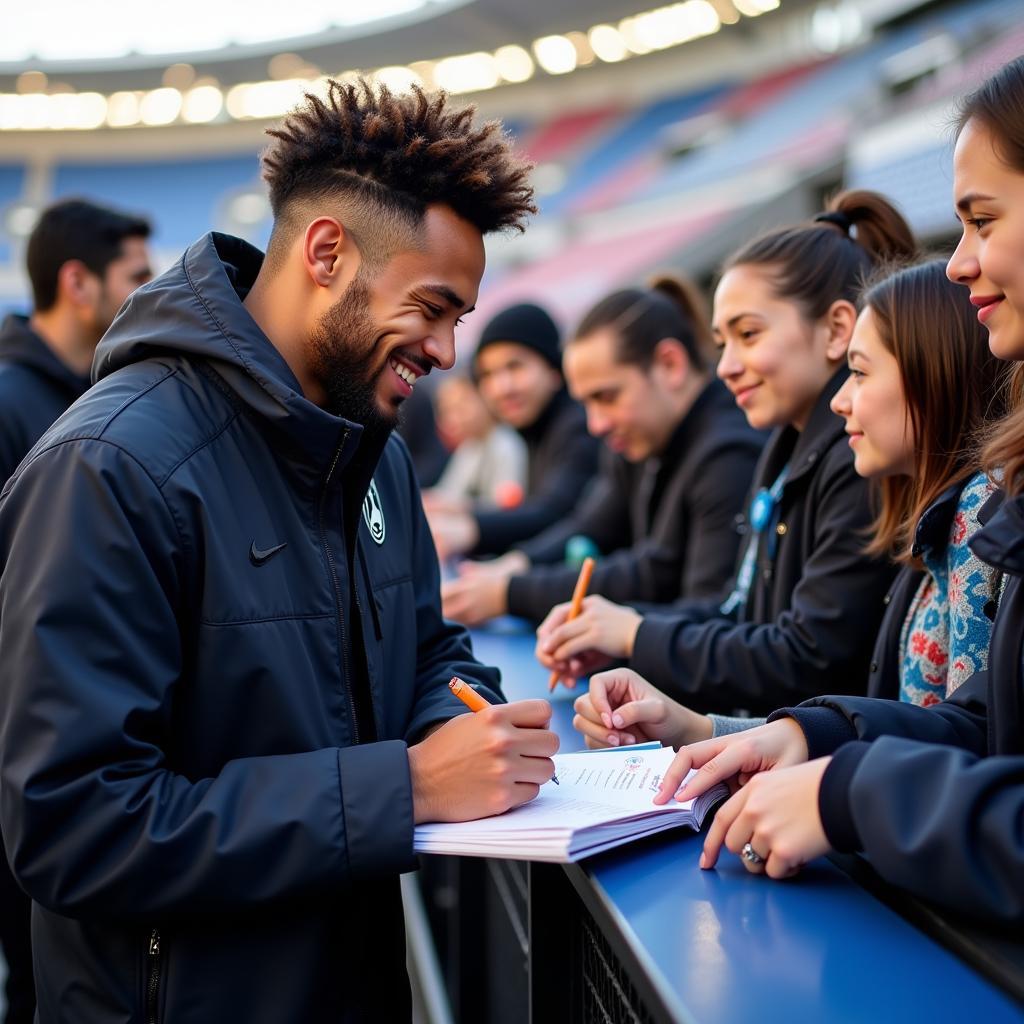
381, 159
75, 229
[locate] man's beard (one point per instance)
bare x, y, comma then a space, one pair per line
342, 345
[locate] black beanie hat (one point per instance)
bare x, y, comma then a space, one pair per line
526, 325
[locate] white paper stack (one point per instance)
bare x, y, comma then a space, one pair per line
603, 799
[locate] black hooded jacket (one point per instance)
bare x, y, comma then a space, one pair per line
35, 388
220, 626
934, 797
816, 600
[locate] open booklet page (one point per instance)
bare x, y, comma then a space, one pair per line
603, 799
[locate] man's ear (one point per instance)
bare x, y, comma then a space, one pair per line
671, 359
76, 283
840, 321
329, 254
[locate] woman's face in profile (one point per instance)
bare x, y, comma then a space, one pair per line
989, 198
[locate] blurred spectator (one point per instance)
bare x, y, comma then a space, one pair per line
518, 367
418, 429
664, 524
83, 262
487, 467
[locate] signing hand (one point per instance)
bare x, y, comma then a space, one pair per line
484, 763
734, 759
622, 707
474, 599
777, 813
600, 633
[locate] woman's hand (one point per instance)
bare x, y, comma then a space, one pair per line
777, 814
735, 759
601, 633
622, 707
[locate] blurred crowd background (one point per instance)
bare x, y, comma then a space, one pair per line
662, 137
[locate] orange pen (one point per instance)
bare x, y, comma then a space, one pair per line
468, 695
586, 571
475, 702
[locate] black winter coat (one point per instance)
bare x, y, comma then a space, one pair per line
816, 600
562, 461
208, 810
667, 525
934, 797
35, 388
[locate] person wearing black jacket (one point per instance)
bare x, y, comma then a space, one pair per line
805, 603
518, 367
932, 797
223, 665
83, 261
664, 524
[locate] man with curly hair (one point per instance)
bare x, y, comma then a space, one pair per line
222, 657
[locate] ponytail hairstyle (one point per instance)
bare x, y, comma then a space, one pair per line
828, 259
998, 105
952, 386
642, 317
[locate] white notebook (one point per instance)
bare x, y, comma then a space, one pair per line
603, 799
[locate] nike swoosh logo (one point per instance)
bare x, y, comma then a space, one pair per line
258, 557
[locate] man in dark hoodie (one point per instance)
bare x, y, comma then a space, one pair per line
223, 664
518, 367
83, 261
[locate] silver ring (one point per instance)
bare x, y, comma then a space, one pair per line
750, 855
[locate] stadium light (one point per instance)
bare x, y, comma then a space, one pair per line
160, 106
555, 54
123, 109
471, 72
201, 101
514, 63
607, 42
202, 104
398, 79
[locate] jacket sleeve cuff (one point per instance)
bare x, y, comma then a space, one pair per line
376, 800
825, 729
834, 797
651, 647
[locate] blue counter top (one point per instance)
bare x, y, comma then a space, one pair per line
726, 946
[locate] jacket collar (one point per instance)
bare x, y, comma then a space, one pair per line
694, 421
195, 309
20, 344
1000, 542
802, 449
932, 533
535, 432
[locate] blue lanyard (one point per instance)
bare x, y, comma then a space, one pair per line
764, 510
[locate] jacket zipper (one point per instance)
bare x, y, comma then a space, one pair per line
339, 606
153, 979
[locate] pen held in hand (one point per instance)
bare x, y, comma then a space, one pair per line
582, 584
474, 701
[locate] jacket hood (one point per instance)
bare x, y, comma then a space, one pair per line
195, 309
21, 345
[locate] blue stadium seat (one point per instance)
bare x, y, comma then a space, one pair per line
184, 198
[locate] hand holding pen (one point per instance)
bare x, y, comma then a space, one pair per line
482, 764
